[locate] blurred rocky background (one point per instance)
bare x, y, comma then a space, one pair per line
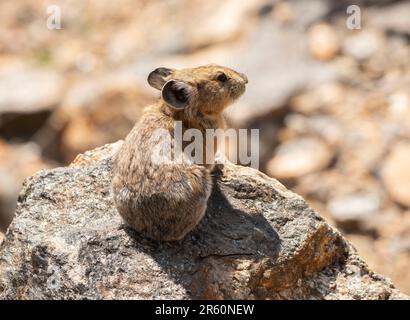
332, 104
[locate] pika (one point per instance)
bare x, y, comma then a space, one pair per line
166, 201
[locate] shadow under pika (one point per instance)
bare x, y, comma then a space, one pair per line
205, 261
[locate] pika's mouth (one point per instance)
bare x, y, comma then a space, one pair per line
236, 92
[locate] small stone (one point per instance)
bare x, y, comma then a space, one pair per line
323, 42
283, 12
350, 211
225, 24
321, 125
363, 45
320, 98
399, 105
299, 157
25, 89
396, 173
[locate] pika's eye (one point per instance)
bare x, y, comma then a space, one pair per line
222, 77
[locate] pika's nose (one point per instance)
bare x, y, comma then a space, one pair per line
244, 77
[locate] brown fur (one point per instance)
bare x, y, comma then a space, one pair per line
166, 201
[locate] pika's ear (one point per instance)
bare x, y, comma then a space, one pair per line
177, 94
156, 78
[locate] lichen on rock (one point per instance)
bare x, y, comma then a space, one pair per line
258, 240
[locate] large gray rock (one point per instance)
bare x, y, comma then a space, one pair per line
258, 240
